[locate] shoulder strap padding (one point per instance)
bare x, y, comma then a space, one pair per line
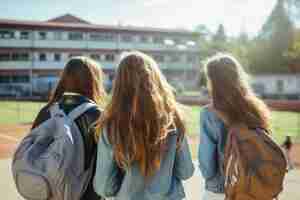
55, 110
74, 114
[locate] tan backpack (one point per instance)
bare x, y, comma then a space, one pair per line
254, 165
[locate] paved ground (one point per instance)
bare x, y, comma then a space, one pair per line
194, 186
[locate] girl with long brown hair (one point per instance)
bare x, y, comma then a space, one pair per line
142, 148
81, 82
233, 102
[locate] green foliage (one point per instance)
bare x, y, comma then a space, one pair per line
294, 51
270, 52
220, 36
16, 112
267, 55
212, 43
239, 47
293, 55
282, 123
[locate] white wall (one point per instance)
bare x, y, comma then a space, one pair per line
291, 83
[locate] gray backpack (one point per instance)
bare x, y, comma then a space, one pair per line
49, 162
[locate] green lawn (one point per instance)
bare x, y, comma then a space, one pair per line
13, 112
283, 123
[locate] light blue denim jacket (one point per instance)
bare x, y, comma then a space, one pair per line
213, 136
130, 184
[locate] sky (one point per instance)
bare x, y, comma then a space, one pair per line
236, 15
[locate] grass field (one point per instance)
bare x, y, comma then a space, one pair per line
13, 112
283, 123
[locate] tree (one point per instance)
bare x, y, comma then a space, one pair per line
275, 39
220, 35
239, 47
293, 55
210, 43
219, 41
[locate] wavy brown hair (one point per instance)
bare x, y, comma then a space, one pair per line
141, 114
231, 94
84, 76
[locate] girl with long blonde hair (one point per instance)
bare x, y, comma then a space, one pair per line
142, 147
232, 102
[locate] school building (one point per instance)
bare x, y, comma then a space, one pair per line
33, 53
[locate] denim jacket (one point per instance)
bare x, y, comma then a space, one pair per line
129, 184
213, 136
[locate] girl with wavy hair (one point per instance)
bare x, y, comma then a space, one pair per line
142, 147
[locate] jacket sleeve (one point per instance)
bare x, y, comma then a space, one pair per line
207, 152
108, 176
184, 167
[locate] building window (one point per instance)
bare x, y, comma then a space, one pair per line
57, 57
144, 39
280, 86
24, 35
20, 56
20, 79
4, 79
42, 35
109, 37
158, 40
57, 35
75, 36
4, 57
42, 57
95, 56
191, 58
159, 58
127, 38
109, 57
258, 88
7, 34
177, 40
175, 58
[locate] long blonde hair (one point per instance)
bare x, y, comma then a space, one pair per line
141, 114
232, 95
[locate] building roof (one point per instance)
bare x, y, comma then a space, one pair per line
70, 22
68, 18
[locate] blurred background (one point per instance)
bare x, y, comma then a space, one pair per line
38, 37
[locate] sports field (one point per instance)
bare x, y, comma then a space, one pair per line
283, 123
16, 118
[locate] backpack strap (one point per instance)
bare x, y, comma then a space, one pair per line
55, 110
80, 110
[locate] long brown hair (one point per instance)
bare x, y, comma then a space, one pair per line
231, 94
81, 75
141, 113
